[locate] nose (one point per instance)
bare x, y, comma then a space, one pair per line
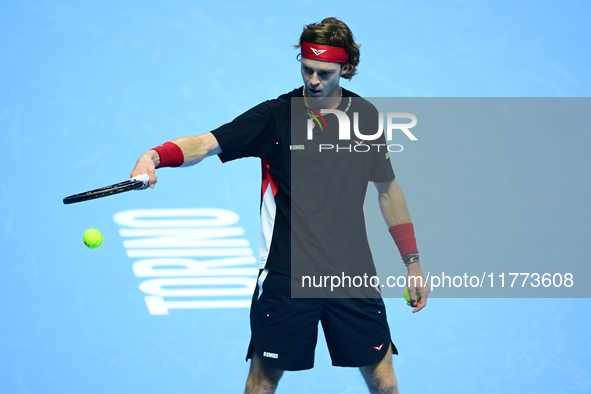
314, 80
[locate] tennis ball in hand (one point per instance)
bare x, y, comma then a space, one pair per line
406, 295
92, 238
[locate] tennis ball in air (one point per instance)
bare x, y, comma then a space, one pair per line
92, 238
406, 295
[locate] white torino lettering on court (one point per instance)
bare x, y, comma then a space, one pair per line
224, 265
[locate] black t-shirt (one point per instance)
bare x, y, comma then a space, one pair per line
312, 198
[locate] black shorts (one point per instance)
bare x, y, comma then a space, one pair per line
285, 329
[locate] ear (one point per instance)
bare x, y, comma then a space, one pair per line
345, 69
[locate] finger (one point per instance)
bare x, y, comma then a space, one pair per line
412, 303
412, 293
153, 180
414, 296
421, 305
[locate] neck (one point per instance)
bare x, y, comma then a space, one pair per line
329, 102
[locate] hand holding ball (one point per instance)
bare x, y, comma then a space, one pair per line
406, 295
92, 238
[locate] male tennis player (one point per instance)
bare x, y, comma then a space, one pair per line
284, 329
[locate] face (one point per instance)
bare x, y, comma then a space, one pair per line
321, 79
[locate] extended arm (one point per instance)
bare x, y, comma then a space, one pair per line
194, 149
395, 212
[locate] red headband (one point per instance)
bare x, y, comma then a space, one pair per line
324, 53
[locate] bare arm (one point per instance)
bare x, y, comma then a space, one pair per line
394, 210
195, 148
392, 203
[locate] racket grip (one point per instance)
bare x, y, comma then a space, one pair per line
142, 177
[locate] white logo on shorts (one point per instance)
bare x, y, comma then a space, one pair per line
270, 355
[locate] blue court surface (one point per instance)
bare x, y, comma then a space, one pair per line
87, 87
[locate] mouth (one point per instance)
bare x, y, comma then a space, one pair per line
314, 92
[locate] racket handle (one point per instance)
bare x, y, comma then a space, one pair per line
142, 177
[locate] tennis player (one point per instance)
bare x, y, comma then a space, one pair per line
284, 329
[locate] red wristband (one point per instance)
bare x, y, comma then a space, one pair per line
171, 155
404, 236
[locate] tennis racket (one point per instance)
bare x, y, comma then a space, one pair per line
136, 182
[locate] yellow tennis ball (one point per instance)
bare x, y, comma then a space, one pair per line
406, 295
92, 238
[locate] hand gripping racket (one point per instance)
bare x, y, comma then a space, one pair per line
136, 182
